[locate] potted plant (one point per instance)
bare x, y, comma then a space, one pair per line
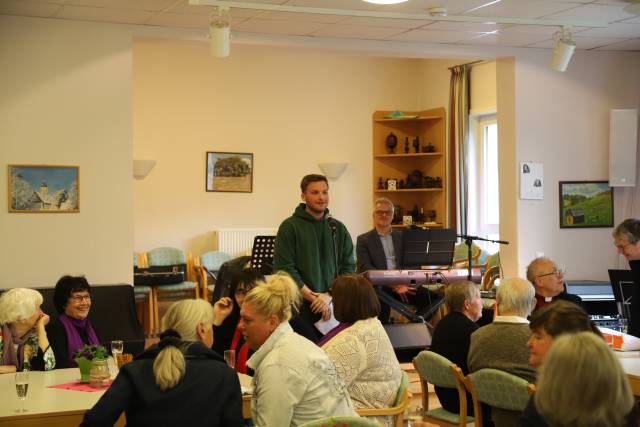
86, 356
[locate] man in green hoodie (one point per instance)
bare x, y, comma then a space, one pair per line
314, 248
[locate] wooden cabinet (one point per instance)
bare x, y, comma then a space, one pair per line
429, 127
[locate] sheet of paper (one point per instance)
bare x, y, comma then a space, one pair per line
325, 326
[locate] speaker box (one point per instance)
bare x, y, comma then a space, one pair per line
623, 142
405, 336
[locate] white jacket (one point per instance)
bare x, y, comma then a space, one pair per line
294, 382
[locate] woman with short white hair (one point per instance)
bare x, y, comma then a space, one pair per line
23, 343
294, 381
596, 393
179, 381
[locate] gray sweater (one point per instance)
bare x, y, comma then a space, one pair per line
502, 346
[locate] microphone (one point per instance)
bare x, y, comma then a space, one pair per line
333, 224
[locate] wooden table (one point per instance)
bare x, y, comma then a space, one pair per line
630, 361
52, 407
46, 407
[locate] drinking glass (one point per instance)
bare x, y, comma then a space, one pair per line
230, 358
22, 386
622, 325
116, 348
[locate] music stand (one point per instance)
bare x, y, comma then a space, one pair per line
622, 284
262, 254
425, 249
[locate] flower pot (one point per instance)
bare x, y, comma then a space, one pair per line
99, 374
85, 368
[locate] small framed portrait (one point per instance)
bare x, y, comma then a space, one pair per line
392, 184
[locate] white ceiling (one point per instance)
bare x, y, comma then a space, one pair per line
622, 33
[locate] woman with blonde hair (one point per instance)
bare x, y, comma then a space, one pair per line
23, 342
172, 383
596, 393
294, 381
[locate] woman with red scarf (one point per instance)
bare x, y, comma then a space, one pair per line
72, 329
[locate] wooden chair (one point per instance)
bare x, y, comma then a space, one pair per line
166, 256
492, 272
341, 422
440, 371
460, 256
497, 389
397, 410
145, 300
206, 267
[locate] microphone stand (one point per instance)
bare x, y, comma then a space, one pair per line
468, 240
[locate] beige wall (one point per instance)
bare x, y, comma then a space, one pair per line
483, 88
66, 100
291, 108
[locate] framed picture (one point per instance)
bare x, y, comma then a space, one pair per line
44, 189
229, 172
586, 204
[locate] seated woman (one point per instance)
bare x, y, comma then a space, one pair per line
548, 323
72, 329
172, 383
596, 393
362, 353
294, 381
228, 335
24, 344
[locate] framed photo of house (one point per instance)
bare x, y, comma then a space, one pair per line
229, 172
586, 204
44, 189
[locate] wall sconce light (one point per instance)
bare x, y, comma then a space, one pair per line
219, 33
141, 168
332, 170
563, 50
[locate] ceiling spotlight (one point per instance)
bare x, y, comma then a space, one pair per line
386, 1
437, 11
219, 33
563, 50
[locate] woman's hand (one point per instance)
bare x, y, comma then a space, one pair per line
221, 310
43, 341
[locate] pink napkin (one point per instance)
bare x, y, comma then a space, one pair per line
78, 386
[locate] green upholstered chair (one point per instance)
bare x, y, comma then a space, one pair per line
211, 261
144, 303
497, 389
341, 422
440, 371
166, 256
461, 258
399, 406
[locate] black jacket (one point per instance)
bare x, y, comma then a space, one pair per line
370, 253
634, 321
208, 394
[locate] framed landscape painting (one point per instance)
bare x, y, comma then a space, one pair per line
229, 172
44, 189
586, 204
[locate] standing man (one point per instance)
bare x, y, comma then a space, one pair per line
381, 249
548, 281
314, 248
626, 238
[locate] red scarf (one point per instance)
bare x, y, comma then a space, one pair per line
241, 355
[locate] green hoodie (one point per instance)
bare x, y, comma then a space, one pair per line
304, 249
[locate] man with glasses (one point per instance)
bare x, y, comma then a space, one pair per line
381, 249
548, 280
626, 238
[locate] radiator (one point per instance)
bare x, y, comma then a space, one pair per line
239, 241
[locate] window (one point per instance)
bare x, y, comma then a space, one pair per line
484, 206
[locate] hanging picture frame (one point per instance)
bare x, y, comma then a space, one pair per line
44, 189
586, 204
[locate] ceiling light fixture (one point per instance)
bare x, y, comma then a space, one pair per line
437, 11
219, 33
563, 49
386, 1
633, 8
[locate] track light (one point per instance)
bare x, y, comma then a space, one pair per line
219, 33
563, 50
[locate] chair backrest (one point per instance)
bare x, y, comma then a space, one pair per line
165, 256
402, 390
341, 422
213, 260
498, 389
435, 369
400, 404
460, 255
489, 277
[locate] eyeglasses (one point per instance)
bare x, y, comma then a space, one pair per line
558, 272
380, 212
80, 298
